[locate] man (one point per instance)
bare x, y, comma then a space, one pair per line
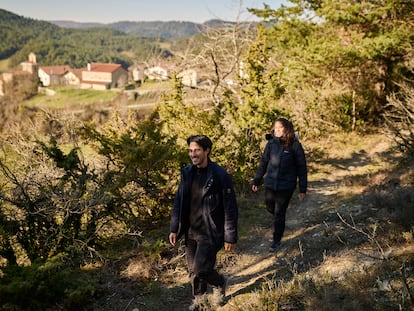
205, 212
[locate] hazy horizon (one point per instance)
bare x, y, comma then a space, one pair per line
96, 11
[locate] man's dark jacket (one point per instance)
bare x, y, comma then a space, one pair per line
219, 206
282, 166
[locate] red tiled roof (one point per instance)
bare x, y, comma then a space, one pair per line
55, 70
104, 67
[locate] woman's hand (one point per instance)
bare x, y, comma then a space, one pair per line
255, 188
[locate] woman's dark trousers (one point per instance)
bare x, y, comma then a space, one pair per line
277, 203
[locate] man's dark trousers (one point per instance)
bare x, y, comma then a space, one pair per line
201, 259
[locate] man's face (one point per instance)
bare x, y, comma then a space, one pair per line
198, 155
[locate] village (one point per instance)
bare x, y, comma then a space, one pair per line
30, 77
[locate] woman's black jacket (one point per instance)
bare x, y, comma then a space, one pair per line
282, 166
220, 211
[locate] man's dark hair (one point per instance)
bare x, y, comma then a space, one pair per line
202, 140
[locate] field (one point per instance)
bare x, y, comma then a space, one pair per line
4, 65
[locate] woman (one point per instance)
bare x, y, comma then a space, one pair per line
283, 162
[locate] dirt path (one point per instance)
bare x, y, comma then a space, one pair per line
310, 241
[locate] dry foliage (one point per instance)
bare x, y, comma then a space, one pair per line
399, 117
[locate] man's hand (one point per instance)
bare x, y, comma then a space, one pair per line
173, 238
228, 247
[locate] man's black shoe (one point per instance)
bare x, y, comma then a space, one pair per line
275, 247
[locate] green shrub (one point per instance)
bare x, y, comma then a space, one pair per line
44, 284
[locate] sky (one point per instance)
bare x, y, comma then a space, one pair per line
108, 11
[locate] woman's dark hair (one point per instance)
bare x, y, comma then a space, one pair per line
289, 135
202, 140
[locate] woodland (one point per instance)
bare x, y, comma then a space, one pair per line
83, 193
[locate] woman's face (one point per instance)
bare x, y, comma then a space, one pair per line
279, 130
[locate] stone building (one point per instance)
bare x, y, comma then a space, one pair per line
101, 76
20, 83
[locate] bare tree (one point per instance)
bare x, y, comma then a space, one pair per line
217, 55
399, 117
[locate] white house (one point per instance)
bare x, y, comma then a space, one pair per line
52, 75
189, 77
156, 73
104, 76
73, 77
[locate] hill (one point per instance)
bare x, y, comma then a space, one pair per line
16, 31
157, 29
54, 45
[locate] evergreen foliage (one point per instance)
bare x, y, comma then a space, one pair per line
140, 162
337, 60
43, 284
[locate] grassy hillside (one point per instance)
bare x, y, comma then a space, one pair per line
64, 97
4, 64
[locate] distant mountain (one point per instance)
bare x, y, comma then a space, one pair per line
157, 29
165, 30
76, 25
